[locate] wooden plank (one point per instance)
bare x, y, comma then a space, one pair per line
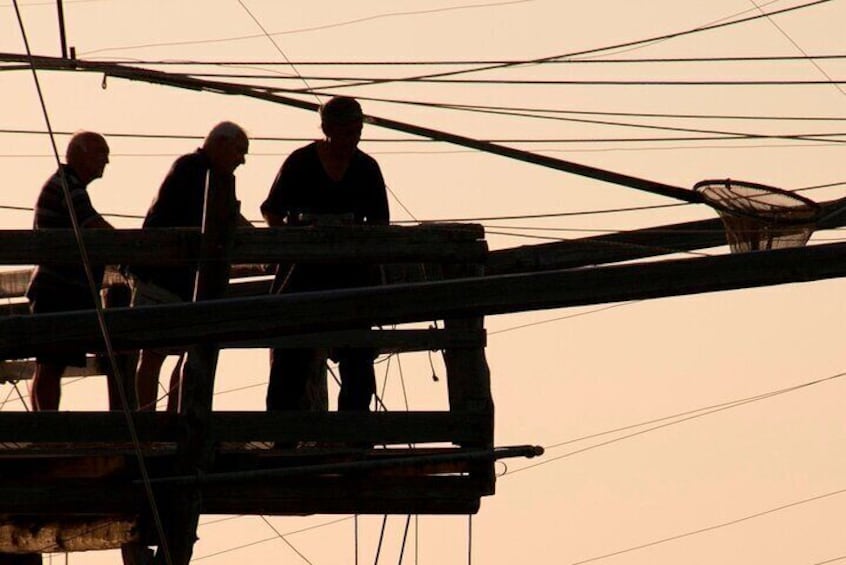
324, 495
13, 283
345, 495
629, 245
608, 248
14, 309
63, 428
386, 341
173, 246
307, 312
24, 535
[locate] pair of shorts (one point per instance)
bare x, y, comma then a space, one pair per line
61, 299
145, 293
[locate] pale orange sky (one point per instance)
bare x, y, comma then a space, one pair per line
552, 382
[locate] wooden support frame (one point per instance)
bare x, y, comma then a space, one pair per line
469, 379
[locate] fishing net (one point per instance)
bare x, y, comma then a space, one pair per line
759, 217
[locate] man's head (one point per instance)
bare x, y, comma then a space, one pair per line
227, 145
87, 154
341, 119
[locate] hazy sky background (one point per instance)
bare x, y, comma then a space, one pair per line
763, 482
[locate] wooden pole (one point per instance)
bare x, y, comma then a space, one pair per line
62, 37
469, 381
192, 83
195, 449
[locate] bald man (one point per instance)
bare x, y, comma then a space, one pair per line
61, 288
180, 202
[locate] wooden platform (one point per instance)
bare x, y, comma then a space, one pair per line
71, 464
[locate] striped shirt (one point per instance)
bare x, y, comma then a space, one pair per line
51, 212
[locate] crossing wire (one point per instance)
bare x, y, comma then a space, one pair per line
639, 42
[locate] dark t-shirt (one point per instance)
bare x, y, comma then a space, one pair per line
302, 188
51, 212
179, 203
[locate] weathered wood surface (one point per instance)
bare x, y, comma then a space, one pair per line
60, 429
250, 318
53, 536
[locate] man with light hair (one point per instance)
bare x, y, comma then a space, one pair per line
62, 288
180, 203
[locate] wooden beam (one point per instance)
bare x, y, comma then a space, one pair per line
324, 495
13, 283
194, 83
630, 245
59, 536
469, 379
62, 429
608, 248
174, 246
386, 341
308, 312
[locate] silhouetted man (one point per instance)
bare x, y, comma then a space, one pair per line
180, 203
59, 288
329, 180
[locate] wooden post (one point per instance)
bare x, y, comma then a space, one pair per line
197, 384
468, 377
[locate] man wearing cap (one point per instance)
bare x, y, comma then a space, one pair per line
61, 288
327, 181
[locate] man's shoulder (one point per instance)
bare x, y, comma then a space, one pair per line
188, 169
366, 159
303, 153
191, 161
63, 174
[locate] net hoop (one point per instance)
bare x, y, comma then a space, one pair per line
758, 216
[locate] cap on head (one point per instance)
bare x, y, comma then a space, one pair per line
340, 110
